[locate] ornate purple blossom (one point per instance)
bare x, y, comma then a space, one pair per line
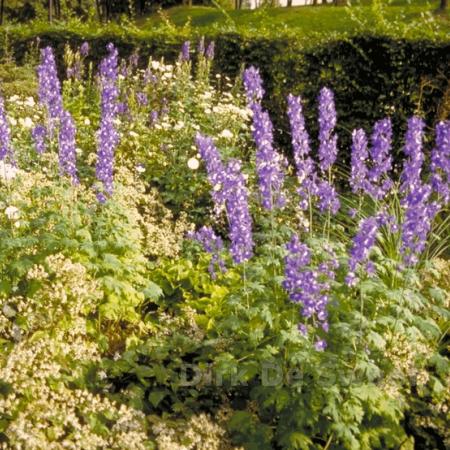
379, 182
107, 136
253, 85
209, 53
363, 242
358, 177
185, 51
327, 137
440, 162
39, 135
419, 215
5, 136
303, 284
328, 197
269, 163
411, 175
212, 244
230, 193
84, 49
142, 98
49, 87
67, 147
301, 146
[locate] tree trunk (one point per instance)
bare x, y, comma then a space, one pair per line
50, 10
443, 5
289, 3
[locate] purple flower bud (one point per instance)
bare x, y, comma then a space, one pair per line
358, 177
327, 122
440, 162
185, 51
84, 49
67, 147
209, 54
253, 85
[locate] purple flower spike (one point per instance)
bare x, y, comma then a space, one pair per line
269, 163
185, 51
67, 147
39, 135
304, 285
107, 136
379, 182
230, 193
328, 197
49, 87
253, 85
411, 175
327, 122
142, 99
84, 49
5, 136
440, 162
209, 54
358, 177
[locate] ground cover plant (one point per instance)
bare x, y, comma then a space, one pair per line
170, 279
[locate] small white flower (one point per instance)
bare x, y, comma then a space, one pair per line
17, 224
26, 123
7, 171
87, 121
140, 168
226, 134
193, 163
29, 101
133, 134
12, 212
12, 121
8, 311
14, 98
179, 125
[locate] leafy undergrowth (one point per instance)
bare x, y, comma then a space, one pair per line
313, 315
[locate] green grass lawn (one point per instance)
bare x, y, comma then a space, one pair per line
304, 19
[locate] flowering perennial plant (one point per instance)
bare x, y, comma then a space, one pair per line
358, 176
5, 137
305, 285
327, 122
440, 162
269, 163
108, 137
253, 85
67, 147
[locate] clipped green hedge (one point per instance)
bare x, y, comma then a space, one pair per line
372, 76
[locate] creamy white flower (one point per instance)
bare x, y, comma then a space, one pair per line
18, 224
12, 212
14, 98
193, 163
12, 121
133, 134
26, 123
155, 65
140, 168
29, 101
7, 171
87, 121
179, 125
226, 134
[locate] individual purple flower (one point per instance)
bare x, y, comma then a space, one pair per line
67, 147
358, 176
108, 137
39, 135
5, 135
327, 137
134, 60
84, 49
49, 86
269, 163
411, 175
142, 98
153, 117
362, 244
379, 183
253, 86
440, 162
320, 345
209, 53
185, 51
212, 244
304, 285
328, 197
419, 214
149, 76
